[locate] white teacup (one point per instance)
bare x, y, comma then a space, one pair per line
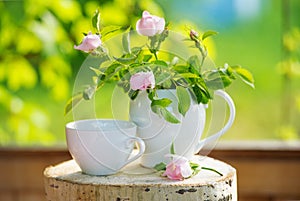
101, 146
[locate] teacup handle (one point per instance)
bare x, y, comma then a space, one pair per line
141, 145
229, 123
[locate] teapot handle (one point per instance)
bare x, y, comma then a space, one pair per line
229, 123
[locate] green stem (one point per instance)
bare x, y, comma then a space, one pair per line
210, 169
155, 55
202, 50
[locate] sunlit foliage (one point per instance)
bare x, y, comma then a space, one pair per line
38, 63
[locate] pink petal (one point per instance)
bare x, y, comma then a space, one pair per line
149, 25
160, 24
186, 170
142, 81
89, 43
146, 14
146, 27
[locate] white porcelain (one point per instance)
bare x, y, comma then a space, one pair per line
158, 134
102, 147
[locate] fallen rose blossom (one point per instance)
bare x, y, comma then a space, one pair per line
178, 169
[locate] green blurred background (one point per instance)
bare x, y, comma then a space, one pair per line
38, 64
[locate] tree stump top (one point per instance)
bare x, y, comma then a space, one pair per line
65, 181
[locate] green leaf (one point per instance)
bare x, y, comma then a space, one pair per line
159, 107
230, 72
160, 63
221, 77
164, 102
74, 101
96, 71
203, 87
125, 60
208, 34
126, 42
168, 116
245, 75
166, 84
212, 74
136, 50
220, 82
195, 172
124, 74
147, 57
187, 75
151, 95
96, 20
194, 166
133, 94
109, 72
181, 68
109, 30
195, 63
184, 100
172, 149
162, 77
201, 94
156, 109
161, 166
197, 93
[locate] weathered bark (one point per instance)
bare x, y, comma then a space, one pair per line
134, 183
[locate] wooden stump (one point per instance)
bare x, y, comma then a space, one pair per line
65, 182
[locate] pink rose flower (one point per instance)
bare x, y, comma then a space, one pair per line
89, 43
179, 168
142, 81
150, 25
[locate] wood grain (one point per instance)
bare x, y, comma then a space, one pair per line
66, 182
